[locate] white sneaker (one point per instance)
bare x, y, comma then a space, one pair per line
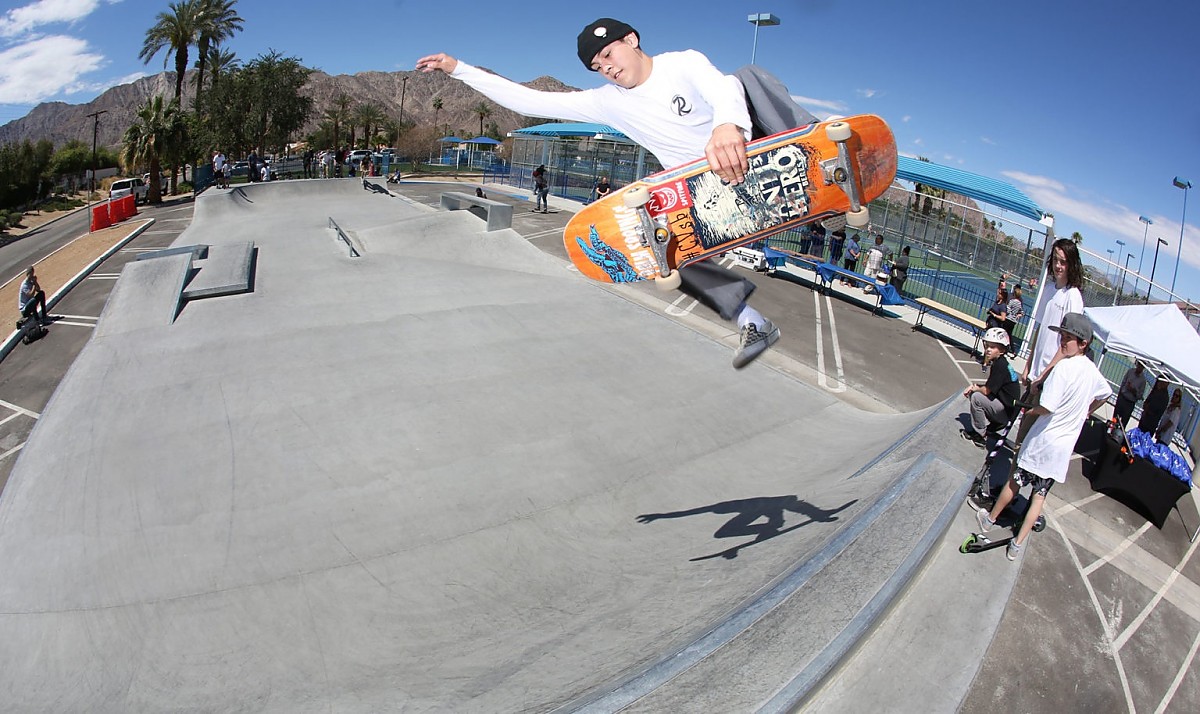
985, 523
1013, 551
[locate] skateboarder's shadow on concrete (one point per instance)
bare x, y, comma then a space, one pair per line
747, 514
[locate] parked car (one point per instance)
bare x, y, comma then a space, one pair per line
163, 181
356, 156
123, 187
240, 168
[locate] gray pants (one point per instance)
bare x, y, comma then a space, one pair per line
771, 107
986, 410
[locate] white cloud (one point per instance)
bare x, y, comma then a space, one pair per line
44, 12
987, 141
1104, 222
41, 68
906, 118
866, 93
823, 109
101, 86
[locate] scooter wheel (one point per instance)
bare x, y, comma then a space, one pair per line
966, 544
1039, 525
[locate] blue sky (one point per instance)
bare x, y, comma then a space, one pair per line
1089, 106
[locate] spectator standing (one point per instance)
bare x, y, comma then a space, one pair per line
818, 241
900, 269
218, 164
998, 312
837, 243
874, 261
1016, 313
1061, 297
541, 190
1128, 394
1072, 390
1170, 421
853, 252
1154, 407
806, 233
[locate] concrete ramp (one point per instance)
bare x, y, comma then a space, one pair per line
427, 479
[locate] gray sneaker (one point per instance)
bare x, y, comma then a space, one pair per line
755, 341
1014, 550
985, 523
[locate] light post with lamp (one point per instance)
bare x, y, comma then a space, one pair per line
1184, 184
759, 20
1120, 250
1110, 252
1152, 268
1124, 272
1142, 256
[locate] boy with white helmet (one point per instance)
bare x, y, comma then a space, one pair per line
993, 403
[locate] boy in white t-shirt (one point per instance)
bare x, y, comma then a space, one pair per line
679, 107
1073, 389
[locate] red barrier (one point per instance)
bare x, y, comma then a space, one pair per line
131, 206
119, 209
100, 219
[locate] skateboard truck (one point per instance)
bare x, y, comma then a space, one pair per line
655, 237
840, 171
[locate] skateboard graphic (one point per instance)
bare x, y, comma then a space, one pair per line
652, 227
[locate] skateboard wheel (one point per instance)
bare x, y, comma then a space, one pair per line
667, 283
858, 219
636, 197
838, 131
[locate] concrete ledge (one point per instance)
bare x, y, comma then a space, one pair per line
148, 294
198, 252
498, 215
226, 271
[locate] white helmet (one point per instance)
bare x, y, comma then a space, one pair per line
996, 335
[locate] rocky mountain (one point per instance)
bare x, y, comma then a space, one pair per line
60, 122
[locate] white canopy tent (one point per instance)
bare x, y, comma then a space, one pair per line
1159, 335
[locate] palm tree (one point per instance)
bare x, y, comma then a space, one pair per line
173, 31
156, 134
369, 117
216, 21
1077, 237
437, 109
220, 62
337, 115
484, 111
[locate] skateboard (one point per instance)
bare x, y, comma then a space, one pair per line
652, 227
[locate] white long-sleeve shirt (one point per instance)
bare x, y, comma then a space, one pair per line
672, 113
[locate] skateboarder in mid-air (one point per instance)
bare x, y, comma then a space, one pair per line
679, 107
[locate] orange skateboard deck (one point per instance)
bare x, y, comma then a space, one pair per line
688, 214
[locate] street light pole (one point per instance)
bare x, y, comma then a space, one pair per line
759, 20
1124, 272
1152, 268
403, 89
1184, 184
95, 117
1142, 255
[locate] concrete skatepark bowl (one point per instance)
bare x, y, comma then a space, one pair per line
412, 480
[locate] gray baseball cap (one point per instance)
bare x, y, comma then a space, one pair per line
1077, 324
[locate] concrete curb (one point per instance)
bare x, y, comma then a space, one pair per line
15, 336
